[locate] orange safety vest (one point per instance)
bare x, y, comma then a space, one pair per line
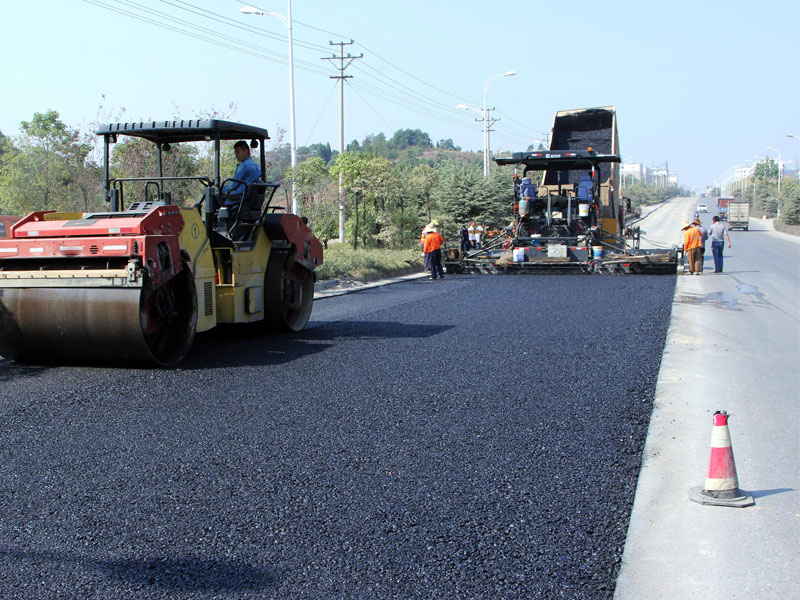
433, 241
692, 238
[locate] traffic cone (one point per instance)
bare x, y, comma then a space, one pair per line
722, 485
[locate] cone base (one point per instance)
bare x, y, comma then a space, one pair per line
697, 494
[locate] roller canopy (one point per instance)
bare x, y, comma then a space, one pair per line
185, 130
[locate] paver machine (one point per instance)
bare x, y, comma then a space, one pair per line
133, 285
567, 210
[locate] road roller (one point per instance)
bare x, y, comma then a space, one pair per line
133, 285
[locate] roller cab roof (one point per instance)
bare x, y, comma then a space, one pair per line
189, 130
541, 160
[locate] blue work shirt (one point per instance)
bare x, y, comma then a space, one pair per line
585, 189
247, 171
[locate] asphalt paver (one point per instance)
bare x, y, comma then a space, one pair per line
473, 437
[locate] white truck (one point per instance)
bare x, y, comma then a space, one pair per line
739, 215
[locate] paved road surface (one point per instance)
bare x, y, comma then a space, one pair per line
734, 344
475, 437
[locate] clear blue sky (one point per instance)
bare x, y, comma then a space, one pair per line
702, 85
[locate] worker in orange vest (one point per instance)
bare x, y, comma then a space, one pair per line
693, 247
433, 248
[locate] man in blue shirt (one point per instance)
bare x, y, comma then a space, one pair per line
247, 171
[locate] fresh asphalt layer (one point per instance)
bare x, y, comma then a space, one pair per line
474, 437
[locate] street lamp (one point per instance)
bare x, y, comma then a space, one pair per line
287, 20
779, 170
486, 148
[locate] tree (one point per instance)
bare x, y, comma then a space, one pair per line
370, 184
41, 171
420, 183
462, 195
403, 138
447, 145
318, 196
790, 191
3, 146
376, 144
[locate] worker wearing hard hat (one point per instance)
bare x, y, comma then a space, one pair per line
692, 247
433, 248
425, 257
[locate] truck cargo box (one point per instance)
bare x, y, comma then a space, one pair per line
739, 215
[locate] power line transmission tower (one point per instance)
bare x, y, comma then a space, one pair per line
341, 77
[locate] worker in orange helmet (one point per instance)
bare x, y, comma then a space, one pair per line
433, 249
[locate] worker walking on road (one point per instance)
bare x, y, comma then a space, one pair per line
433, 248
692, 247
718, 233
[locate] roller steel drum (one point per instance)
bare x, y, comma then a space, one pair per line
99, 325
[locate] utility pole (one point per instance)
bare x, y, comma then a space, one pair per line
341, 77
487, 154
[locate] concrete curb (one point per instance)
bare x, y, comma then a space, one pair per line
339, 287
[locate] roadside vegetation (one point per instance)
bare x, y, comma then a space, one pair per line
761, 191
366, 264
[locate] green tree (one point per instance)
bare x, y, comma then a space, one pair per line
462, 195
369, 182
447, 145
377, 145
403, 138
420, 183
790, 193
318, 197
40, 173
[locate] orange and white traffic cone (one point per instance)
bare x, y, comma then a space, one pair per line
722, 485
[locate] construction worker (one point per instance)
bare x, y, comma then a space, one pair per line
478, 235
465, 245
433, 248
692, 247
471, 233
703, 237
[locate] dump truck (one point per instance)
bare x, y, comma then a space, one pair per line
722, 206
134, 284
567, 210
738, 215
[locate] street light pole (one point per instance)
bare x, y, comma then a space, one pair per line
287, 20
486, 146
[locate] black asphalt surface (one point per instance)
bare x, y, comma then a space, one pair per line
475, 437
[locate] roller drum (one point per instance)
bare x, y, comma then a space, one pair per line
134, 325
